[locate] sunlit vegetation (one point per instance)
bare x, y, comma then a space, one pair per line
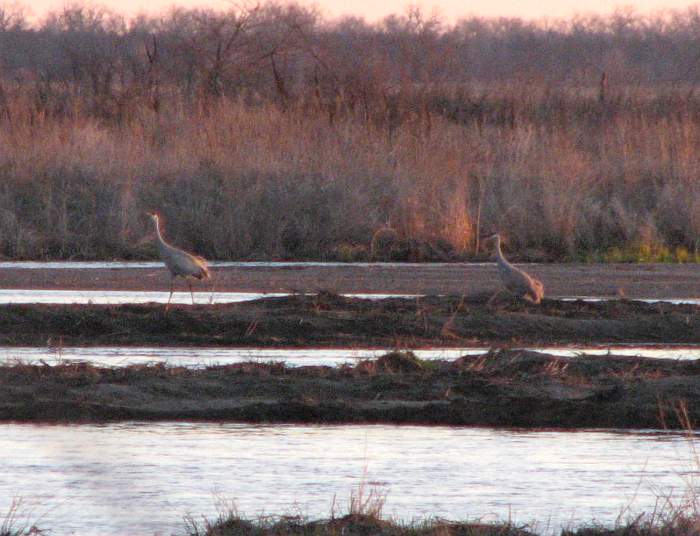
365, 516
270, 133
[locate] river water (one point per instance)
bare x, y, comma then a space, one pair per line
142, 478
114, 297
193, 357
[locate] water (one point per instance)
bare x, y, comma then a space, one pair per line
115, 297
119, 356
141, 478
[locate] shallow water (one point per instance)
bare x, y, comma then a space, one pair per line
115, 297
141, 478
120, 356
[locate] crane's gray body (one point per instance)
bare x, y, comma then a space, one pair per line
516, 281
179, 263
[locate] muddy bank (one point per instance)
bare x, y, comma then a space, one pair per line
635, 280
330, 320
500, 388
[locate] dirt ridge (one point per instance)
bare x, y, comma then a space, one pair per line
512, 388
331, 320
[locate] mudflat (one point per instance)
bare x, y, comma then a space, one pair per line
326, 319
659, 281
499, 388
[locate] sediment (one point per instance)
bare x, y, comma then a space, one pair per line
511, 388
327, 319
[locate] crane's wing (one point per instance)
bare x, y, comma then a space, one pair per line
187, 265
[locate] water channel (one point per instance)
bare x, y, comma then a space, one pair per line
195, 357
141, 478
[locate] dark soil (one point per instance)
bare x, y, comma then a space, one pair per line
500, 388
329, 320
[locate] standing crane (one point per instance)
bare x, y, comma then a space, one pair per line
180, 263
516, 281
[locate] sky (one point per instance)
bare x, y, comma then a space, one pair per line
373, 10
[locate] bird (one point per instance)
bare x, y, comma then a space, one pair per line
516, 281
179, 262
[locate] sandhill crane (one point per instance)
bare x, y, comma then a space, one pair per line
180, 263
516, 281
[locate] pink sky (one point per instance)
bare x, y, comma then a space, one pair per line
376, 9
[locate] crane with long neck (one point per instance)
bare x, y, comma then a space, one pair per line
179, 262
516, 281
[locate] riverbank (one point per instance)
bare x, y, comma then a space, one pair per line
331, 320
500, 388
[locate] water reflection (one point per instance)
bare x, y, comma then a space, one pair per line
115, 297
140, 478
119, 356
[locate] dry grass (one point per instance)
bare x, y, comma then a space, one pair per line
363, 518
613, 181
14, 521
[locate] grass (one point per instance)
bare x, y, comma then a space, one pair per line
364, 517
644, 253
262, 182
407, 140
12, 523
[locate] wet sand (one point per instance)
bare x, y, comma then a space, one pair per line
500, 388
659, 281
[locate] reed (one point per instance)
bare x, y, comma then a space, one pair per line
310, 157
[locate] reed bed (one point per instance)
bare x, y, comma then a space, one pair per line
313, 162
258, 182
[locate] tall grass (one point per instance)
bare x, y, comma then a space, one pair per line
562, 174
559, 173
265, 132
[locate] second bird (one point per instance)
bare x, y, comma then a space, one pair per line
516, 281
179, 262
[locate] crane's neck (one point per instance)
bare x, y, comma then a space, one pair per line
500, 259
161, 242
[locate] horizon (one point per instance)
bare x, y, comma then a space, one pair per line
447, 10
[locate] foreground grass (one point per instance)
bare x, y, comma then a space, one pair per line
350, 525
365, 518
365, 525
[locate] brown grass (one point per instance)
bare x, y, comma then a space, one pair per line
333, 148
243, 181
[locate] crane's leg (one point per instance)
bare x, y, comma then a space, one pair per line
191, 293
172, 284
493, 298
